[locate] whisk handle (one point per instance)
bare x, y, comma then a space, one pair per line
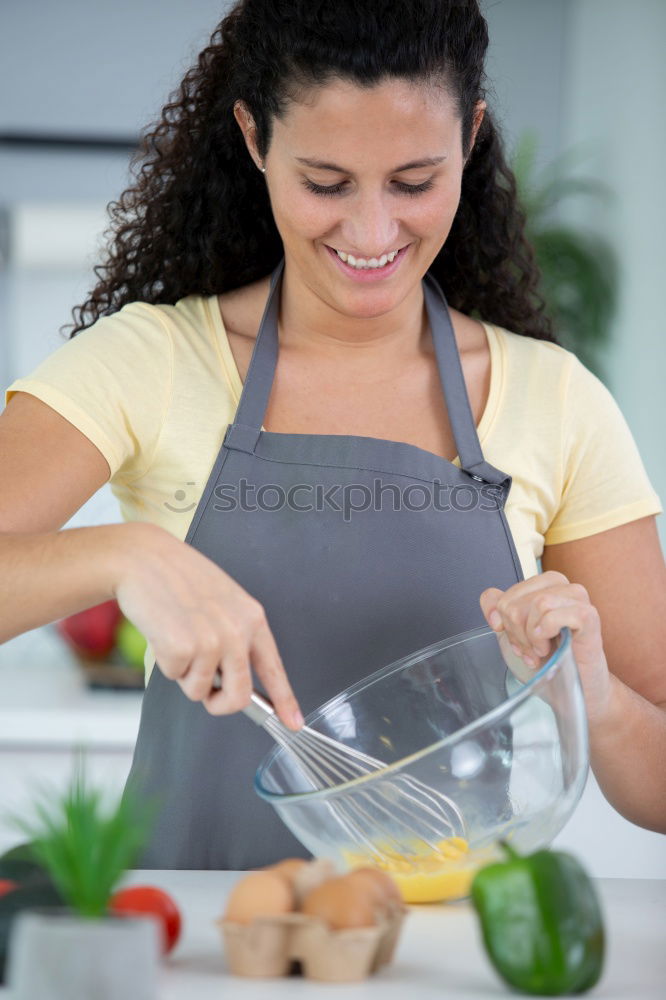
259, 709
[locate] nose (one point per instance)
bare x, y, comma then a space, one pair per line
370, 229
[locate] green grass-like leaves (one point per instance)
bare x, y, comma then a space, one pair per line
85, 851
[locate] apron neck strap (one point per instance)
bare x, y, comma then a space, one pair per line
261, 372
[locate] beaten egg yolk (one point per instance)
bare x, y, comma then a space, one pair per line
429, 878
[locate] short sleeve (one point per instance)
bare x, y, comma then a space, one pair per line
112, 381
605, 483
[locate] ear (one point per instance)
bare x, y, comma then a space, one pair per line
478, 118
249, 130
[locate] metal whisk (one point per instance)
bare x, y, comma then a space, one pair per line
399, 816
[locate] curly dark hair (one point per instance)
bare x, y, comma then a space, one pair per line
198, 218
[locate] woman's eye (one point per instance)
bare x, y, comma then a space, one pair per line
410, 189
320, 189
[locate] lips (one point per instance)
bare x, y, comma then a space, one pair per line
363, 257
370, 274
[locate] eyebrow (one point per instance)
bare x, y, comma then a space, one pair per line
428, 161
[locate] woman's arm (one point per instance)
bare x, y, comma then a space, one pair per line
197, 618
610, 590
624, 574
48, 469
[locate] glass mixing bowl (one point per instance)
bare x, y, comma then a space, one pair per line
505, 744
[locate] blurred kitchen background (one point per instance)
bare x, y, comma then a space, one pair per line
585, 75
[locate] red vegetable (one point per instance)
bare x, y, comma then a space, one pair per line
138, 900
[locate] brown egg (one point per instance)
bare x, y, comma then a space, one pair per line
342, 902
303, 875
310, 876
259, 894
288, 868
380, 883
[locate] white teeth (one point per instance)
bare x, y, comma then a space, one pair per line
362, 264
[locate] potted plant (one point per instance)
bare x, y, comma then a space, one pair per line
81, 949
579, 270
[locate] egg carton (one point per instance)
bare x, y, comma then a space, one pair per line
270, 946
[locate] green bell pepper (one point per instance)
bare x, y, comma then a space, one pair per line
541, 922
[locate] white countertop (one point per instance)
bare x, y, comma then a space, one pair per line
440, 954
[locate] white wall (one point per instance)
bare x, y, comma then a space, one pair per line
613, 92
92, 67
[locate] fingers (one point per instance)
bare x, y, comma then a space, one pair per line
488, 602
214, 665
235, 686
202, 624
539, 626
526, 612
206, 644
269, 668
533, 616
571, 612
211, 657
494, 602
195, 666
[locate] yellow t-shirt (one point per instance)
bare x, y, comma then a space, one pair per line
155, 386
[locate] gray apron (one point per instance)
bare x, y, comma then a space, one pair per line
360, 550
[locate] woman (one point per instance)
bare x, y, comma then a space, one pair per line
326, 174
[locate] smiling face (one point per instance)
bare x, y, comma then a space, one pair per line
366, 172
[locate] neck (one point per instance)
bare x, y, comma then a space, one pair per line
308, 324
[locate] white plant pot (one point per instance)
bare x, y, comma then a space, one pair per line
55, 954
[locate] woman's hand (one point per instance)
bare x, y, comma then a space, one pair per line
198, 619
532, 612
